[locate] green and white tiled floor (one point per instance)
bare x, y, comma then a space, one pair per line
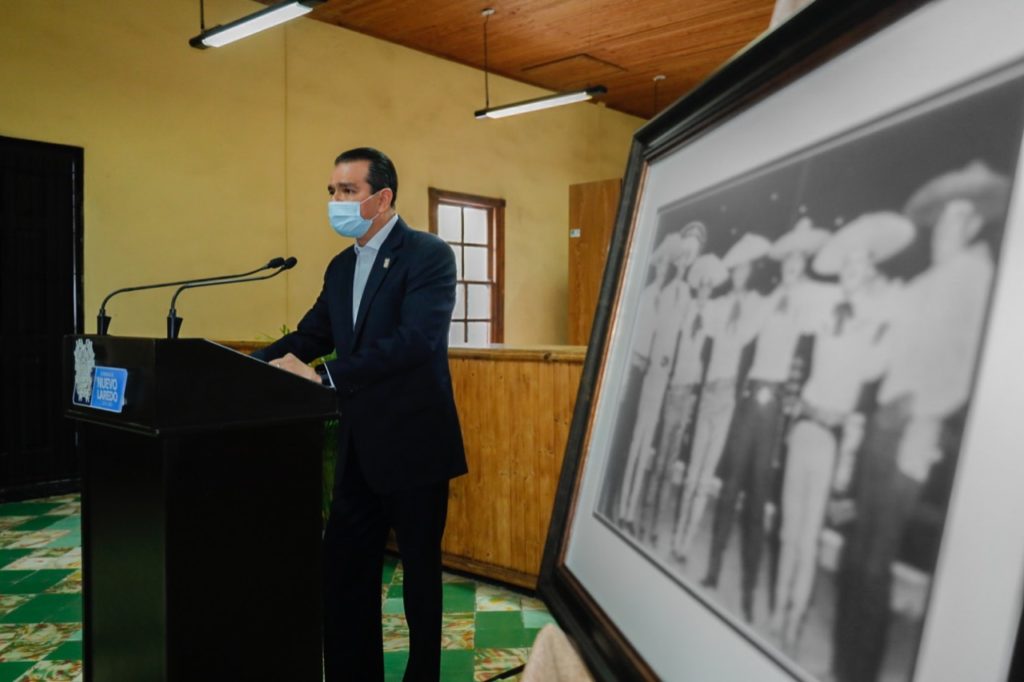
41, 590
487, 629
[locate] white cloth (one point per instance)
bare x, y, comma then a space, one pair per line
553, 659
935, 330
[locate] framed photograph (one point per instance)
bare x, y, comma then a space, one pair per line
794, 453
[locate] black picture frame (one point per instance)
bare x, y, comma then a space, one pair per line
812, 37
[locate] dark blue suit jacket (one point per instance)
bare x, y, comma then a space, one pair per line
391, 374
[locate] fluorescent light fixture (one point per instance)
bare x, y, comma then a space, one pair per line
547, 102
254, 23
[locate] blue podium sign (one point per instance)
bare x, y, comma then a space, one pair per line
108, 386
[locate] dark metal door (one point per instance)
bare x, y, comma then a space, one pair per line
40, 302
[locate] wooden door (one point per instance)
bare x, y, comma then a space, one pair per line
592, 207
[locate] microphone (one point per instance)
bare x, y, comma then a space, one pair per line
103, 320
174, 322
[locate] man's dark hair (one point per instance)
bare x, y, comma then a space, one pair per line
382, 172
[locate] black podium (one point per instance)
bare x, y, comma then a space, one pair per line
201, 485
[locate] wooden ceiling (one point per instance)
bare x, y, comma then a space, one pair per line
568, 44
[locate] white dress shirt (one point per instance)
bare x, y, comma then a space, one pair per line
365, 257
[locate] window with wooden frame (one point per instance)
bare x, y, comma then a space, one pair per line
475, 228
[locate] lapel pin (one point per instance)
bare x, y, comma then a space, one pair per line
387, 262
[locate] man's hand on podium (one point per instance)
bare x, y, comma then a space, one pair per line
290, 363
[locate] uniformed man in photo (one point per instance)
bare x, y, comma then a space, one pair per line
753, 444
731, 326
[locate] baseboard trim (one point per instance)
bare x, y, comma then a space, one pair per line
32, 491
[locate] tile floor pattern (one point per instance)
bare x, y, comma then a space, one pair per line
487, 629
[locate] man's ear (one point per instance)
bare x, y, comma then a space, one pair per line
388, 195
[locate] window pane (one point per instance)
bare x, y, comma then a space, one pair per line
449, 223
460, 302
458, 261
476, 225
479, 333
479, 302
457, 335
476, 263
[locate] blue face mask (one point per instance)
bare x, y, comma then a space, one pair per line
346, 219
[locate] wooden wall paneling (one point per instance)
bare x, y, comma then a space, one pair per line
592, 207
515, 407
494, 466
528, 461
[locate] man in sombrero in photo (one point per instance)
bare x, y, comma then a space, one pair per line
671, 305
934, 333
756, 431
707, 273
731, 326
826, 431
640, 358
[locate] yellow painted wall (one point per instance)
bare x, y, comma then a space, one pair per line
201, 162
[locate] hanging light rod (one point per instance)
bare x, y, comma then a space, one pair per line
248, 25
556, 100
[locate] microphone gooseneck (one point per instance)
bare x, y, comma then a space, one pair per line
103, 320
174, 322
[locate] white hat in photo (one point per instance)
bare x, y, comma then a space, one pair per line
695, 229
668, 249
749, 248
707, 269
803, 238
882, 235
975, 182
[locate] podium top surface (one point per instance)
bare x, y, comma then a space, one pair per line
161, 386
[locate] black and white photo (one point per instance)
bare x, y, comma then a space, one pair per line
775, 433
800, 395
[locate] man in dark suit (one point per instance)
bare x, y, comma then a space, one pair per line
385, 306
